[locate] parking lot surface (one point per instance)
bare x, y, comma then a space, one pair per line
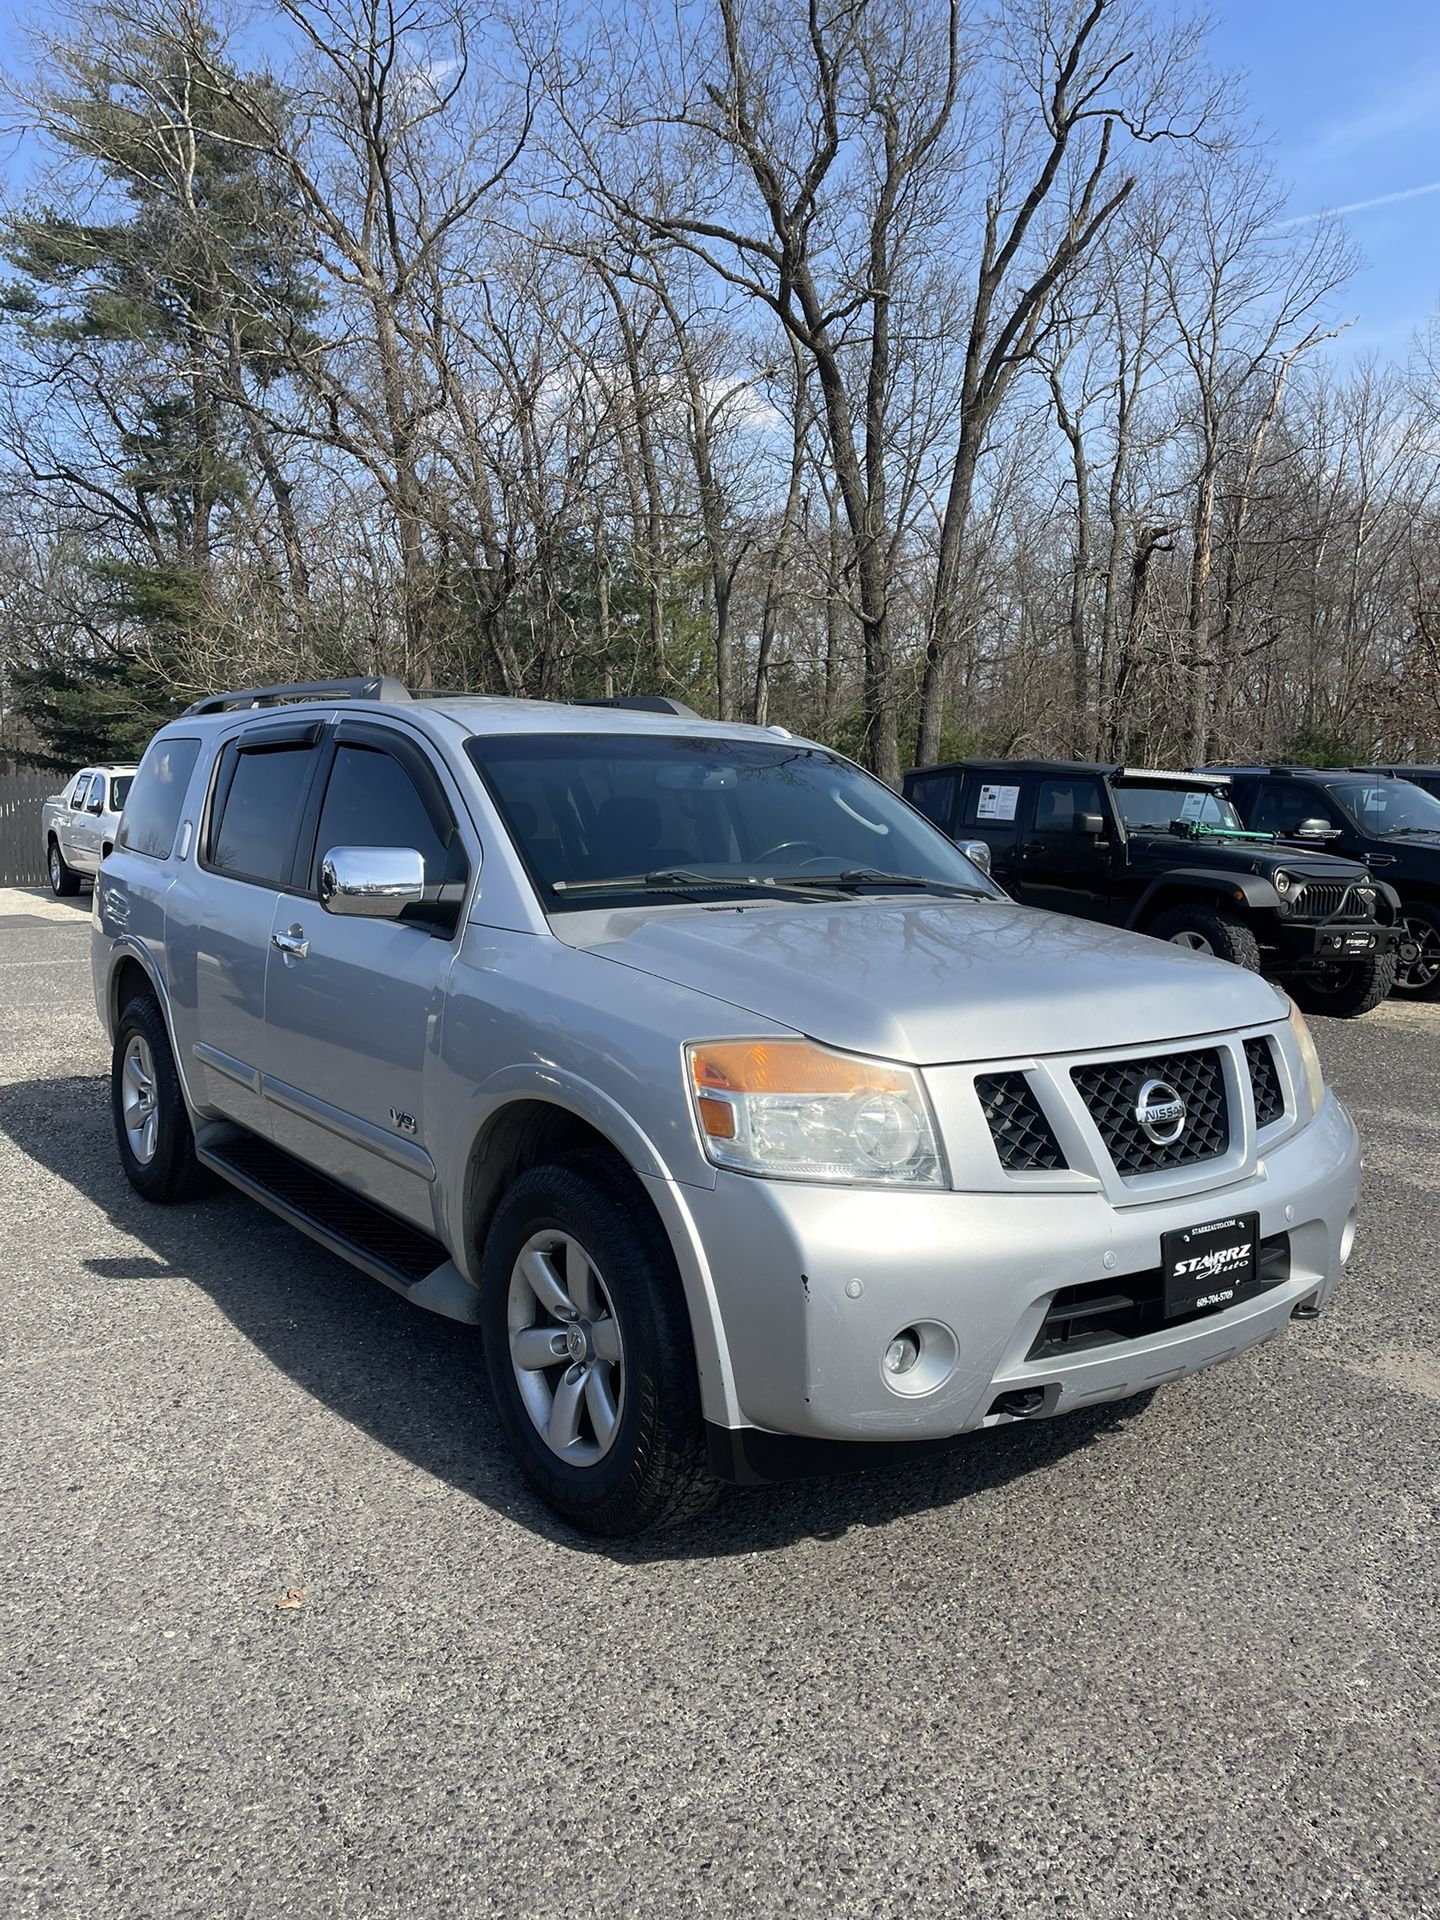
1179, 1661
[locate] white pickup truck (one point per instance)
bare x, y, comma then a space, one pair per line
80, 822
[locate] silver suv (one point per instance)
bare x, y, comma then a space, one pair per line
753, 1126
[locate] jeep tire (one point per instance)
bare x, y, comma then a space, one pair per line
588, 1349
152, 1123
1206, 929
1345, 989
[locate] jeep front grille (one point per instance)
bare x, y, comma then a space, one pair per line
1264, 1081
1329, 900
1111, 1091
1023, 1136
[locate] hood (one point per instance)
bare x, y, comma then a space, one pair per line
933, 982
1249, 856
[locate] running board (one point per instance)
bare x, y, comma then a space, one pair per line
400, 1256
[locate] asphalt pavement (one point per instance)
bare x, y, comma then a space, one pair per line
1168, 1663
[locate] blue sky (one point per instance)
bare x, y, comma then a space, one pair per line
1349, 96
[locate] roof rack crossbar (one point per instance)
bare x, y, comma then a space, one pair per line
374, 687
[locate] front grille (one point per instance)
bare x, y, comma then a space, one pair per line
1264, 1081
1023, 1136
1329, 900
1111, 1091
1132, 1305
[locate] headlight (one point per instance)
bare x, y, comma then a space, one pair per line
794, 1111
1310, 1059
1281, 881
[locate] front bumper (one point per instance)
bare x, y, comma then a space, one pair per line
1326, 942
814, 1282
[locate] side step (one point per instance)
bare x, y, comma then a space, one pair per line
411, 1262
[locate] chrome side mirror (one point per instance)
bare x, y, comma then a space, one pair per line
977, 852
1316, 830
371, 883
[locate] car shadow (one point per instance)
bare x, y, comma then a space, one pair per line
416, 1383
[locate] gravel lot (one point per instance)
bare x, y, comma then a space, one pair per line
1180, 1663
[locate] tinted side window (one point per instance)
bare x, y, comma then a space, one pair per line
254, 836
1059, 802
371, 802
155, 800
991, 800
934, 795
1279, 806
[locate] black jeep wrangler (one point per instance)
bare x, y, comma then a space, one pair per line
1166, 854
1392, 824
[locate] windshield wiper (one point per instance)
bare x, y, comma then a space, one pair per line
1394, 833
682, 880
877, 877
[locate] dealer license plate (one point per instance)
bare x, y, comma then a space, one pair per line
1207, 1266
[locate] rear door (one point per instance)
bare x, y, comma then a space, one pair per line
85, 830
258, 795
991, 801
351, 1020
1062, 867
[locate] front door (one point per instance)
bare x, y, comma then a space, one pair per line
1062, 865
353, 1007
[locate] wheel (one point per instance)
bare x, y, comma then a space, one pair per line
1419, 979
152, 1125
1206, 929
588, 1349
64, 881
1346, 989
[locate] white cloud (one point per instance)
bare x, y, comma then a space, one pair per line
1358, 206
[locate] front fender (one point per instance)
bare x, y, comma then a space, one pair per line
573, 1094
1257, 894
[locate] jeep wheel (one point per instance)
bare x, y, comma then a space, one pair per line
1209, 930
64, 881
1419, 979
152, 1124
1346, 989
588, 1349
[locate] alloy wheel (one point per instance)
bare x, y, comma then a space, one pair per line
1417, 975
138, 1099
566, 1348
1194, 942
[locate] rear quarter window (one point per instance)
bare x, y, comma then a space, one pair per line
157, 798
934, 795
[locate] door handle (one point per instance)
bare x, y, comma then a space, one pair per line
293, 944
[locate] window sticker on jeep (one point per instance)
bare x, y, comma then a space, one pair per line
1192, 805
997, 803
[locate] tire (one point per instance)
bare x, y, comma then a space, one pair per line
1206, 929
649, 1469
1346, 990
64, 881
152, 1124
1420, 980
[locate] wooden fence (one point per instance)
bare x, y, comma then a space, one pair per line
22, 854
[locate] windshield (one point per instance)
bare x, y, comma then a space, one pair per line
607, 819
119, 791
1151, 809
1387, 807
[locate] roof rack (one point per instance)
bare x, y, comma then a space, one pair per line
377, 687
641, 703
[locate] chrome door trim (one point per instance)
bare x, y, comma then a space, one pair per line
348, 1126
226, 1063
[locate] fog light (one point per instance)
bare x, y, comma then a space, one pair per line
902, 1352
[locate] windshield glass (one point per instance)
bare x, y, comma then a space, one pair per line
1151, 809
1388, 806
119, 791
717, 815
